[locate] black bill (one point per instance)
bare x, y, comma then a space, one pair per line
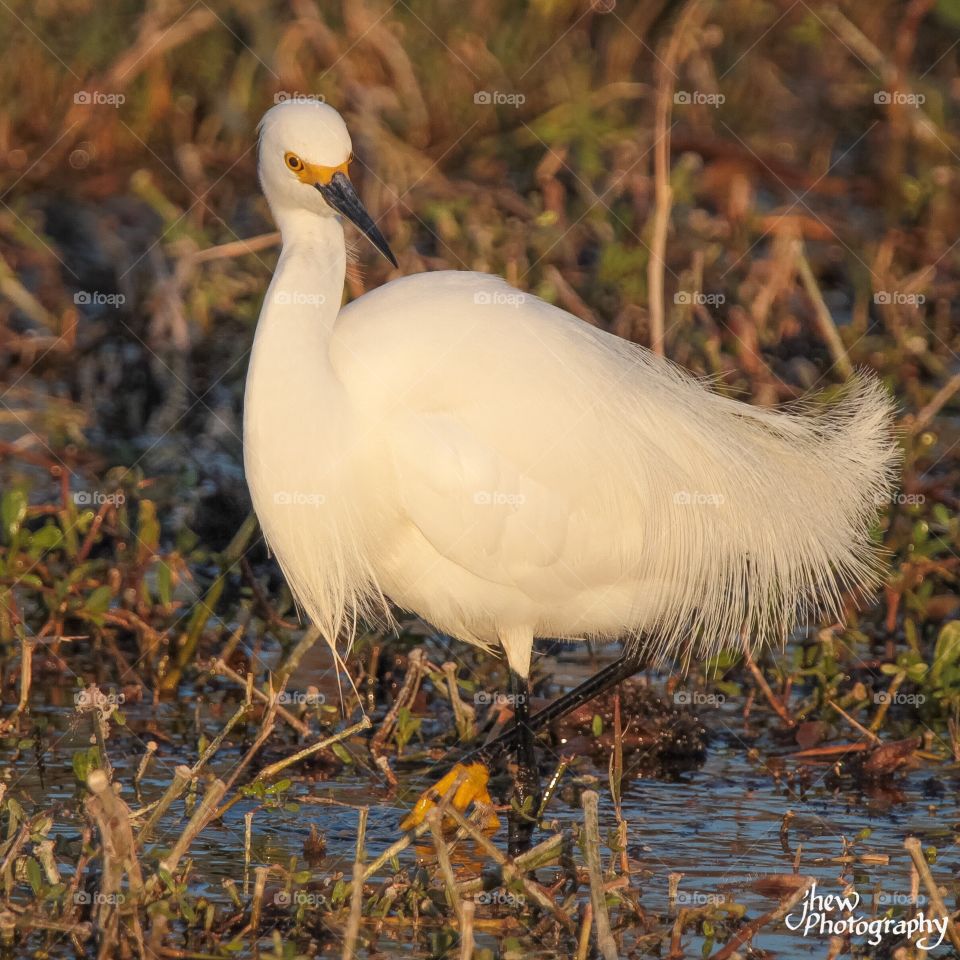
339, 193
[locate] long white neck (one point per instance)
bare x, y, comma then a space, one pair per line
292, 390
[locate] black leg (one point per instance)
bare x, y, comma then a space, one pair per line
622, 669
526, 784
520, 734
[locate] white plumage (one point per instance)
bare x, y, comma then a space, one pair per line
505, 470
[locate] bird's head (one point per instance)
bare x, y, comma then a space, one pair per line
305, 156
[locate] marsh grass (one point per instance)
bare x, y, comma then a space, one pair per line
806, 228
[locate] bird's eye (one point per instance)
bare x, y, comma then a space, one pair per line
350, 159
294, 162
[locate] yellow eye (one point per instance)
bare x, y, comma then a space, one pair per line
294, 162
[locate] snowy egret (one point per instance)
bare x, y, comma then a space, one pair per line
477, 456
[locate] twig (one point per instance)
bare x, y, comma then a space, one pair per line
939, 400
142, 768
774, 701
828, 329
181, 778
869, 734
220, 667
434, 818
466, 930
749, 930
356, 895
510, 872
583, 940
237, 248
912, 845
411, 683
268, 772
202, 816
591, 853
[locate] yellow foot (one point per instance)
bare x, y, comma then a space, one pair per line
470, 781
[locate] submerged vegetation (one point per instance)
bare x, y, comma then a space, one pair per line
182, 773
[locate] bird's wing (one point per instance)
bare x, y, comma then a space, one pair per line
606, 467
475, 389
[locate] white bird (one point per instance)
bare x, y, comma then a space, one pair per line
506, 471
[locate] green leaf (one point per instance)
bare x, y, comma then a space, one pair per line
46, 538
34, 875
13, 508
84, 761
98, 601
164, 580
946, 653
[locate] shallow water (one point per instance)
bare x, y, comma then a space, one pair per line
718, 825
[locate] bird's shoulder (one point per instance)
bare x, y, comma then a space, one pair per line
453, 326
